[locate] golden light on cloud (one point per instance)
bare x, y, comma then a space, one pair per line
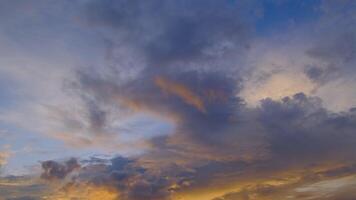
3, 157
84, 191
277, 86
181, 91
178, 100
292, 183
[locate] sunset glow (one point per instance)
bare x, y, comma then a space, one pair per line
177, 100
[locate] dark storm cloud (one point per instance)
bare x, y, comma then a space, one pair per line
186, 73
298, 134
225, 124
202, 104
335, 42
170, 31
301, 127
337, 52
55, 170
217, 139
132, 181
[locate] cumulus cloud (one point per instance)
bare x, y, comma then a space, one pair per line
296, 131
217, 140
315, 58
198, 66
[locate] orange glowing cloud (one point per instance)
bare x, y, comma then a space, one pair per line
3, 157
181, 91
84, 191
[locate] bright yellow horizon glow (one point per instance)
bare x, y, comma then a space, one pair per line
85, 192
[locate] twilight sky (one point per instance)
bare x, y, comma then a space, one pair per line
177, 100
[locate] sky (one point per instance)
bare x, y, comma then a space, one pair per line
177, 100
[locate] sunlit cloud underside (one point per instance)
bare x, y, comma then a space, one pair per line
177, 100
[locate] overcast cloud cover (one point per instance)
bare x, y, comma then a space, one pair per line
177, 100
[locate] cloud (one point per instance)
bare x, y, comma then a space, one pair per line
84, 191
121, 178
55, 170
216, 91
218, 142
196, 66
22, 198
4, 155
188, 31
187, 96
22, 187
314, 57
295, 132
181, 91
337, 188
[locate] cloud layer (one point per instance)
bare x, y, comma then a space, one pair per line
192, 100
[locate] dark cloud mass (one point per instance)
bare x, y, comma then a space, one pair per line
335, 45
295, 130
168, 32
55, 170
185, 63
188, 78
